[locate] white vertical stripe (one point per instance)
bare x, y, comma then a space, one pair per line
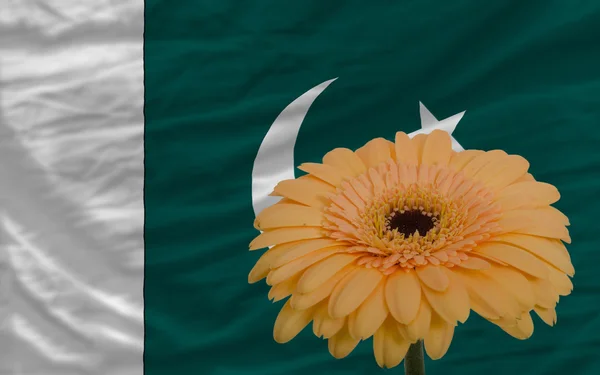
71, 180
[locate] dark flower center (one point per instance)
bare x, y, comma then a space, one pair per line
408, 222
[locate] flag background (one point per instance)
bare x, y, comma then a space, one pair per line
218, 74
71, 179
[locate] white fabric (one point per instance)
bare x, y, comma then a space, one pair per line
71, 180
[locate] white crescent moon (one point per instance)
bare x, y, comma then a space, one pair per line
275, 158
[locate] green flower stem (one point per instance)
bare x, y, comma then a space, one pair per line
414, 361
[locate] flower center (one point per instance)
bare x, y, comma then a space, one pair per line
410, 222
409, 216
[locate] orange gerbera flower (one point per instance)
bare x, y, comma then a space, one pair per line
400, 241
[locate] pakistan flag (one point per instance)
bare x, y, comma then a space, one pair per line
239, 94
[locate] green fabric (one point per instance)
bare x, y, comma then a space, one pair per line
219, 72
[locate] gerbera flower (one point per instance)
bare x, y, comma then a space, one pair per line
400, 241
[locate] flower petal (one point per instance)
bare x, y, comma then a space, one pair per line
353, 290
341, 344
290, 269
543, 222
561, 282
513, 282
418, 328
302, 301
460, 159
482, 308
323, 172
375, 152
439, 337
371, 314
345, 161
437, 148
525, 178
284, 289
307, 190
515, 257
302, 249
290, 322
288, 215
522, 330
434, 277
527, 194
548, 316
482, 160
406, 152
283, 235
488, 296
419, 143
545, 294
452, 304
502, 172
377, 180
549, 250
320, 272
474, 263
389, 346
263, 266
325, 326
403, 295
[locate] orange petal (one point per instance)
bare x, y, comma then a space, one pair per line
307, 190
353, 290
460, 159
375, 152
319, 273
323, 325
522, 330
290, 322
561, 282
389, 346
341, 344
549, 250
288, 215
290, 269
418, 328
419, 142
489, 296
545, 294
525, 178
403, 295
474, 263
434, 277
515, 257
302, 301
377, 180
513, 282
284, 289
547, 315
482, 308
345, 161
544, 222
324, 172
437, 148
406, 152
453, 304
439, 337
302, 249
482, 160
527, 194
502, 172
263, 266
282, 235
371, 314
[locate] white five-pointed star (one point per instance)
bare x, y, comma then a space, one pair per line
429, 123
